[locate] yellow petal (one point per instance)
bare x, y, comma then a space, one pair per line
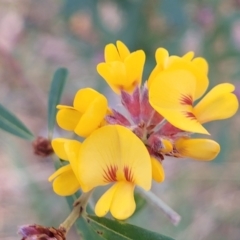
176, 63
93, 117
111, 53
161, 56
188, 56
68, 118
218, 104
201, 64
157, 170
114, 74
103, 204
123, 204
171, 94
58, 147
84, 98
167, 146
122, 50
134, 67
111, 149
66, 184
60, 171
199, 149
72, 149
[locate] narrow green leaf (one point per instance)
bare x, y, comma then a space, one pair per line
57, 86
112, 229
10, 123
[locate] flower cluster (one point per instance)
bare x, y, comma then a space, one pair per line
126, 149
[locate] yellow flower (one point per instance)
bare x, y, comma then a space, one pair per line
86, 115
122, 70
173, 92
114, 155
197, 67
198, 149
65, 182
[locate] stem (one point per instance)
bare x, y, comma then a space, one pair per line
171, 214
79, 207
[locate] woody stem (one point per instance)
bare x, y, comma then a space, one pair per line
79, 207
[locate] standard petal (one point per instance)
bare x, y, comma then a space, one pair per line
93, 117
157, 170
58, 147
84, 98
176, 63
111, 53
122, 50
198, 149
66, 184
218, 104
134, 68
111, 151
171, 94
161, 56
103, 204
123, 204
201, 64
68, 118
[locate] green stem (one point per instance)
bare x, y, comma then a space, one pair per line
79, 207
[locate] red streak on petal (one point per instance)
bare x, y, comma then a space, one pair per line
186, 100
190, 115
110, 175
128, 174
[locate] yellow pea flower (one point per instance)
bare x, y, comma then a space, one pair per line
173, 92
114, 155
65, 182
122, 70
198, 149
86, 115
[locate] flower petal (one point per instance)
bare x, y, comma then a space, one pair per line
122, 50
68, 118
93, 117
66, 183
84, 98
188, 56
72, 149
114, 74
103, 204
157, 170
134, 67
111, 53
199, 149
111, 149
218, 104
171, 94
161, 56
201, 64
60, 171
58, 147
176, 63
123, 204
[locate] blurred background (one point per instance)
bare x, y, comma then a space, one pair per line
37, 37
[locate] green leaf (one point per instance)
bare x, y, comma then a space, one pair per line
10, 123
55, 94
112, 229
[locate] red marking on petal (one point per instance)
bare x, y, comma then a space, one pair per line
186, 100
110, 175
128, 174
190, 115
